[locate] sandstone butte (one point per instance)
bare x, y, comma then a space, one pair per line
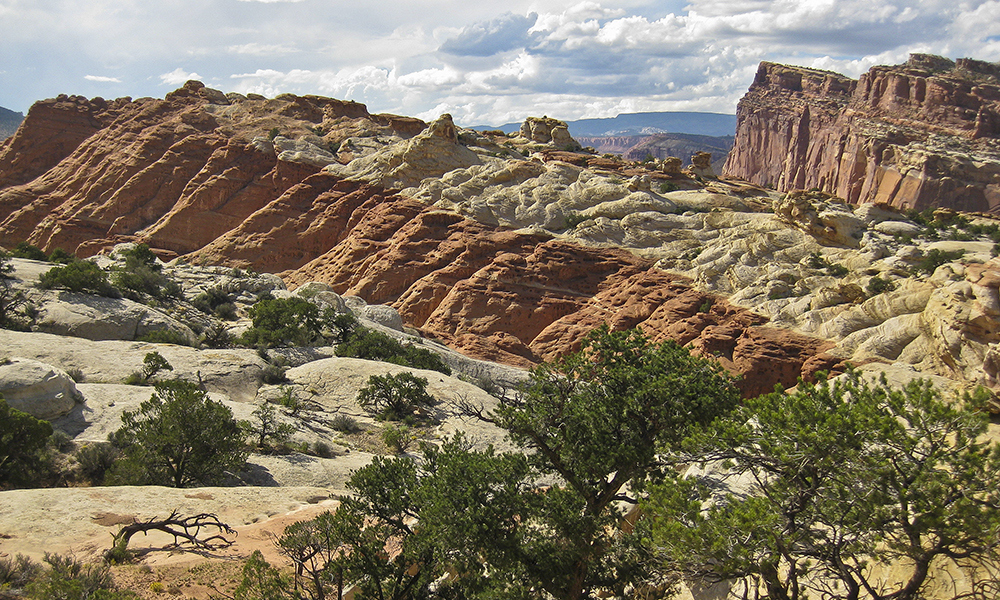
916, 135
236, 180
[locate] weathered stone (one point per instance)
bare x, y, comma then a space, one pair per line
100, 318
36, 388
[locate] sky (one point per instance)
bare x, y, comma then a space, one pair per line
486, 63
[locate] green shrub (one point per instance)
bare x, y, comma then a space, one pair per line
322, 450
216, 335
373, 345
394, 397
283, 322
573, 219
397, 438
82, 276
274, 373
142, 276
18, 572
60, 256
68, 579
289, 400
667, 187
179, 437
95, 459
935, 258
26, 250
23, 439
226, 311
877, 285
268, 430
210, 299
165, 336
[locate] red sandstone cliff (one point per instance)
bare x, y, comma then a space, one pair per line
922, 134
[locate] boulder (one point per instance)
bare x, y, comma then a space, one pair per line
36, 388
100, 318
383, 315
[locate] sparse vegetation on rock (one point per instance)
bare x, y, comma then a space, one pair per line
394, 397
82, 276
179, 437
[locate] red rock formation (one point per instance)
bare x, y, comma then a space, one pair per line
186, 175
915, 135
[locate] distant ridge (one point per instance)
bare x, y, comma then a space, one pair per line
9, 122
644, 123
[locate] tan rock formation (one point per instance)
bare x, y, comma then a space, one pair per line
914, 135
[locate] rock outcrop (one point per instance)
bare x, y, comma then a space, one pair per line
921, 134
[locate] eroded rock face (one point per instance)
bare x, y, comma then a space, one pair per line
901, 135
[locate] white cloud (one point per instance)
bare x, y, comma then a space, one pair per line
101, 79
482, 61
178, 76
259, 49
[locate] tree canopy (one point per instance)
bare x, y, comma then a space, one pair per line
841, 479
548, 521
179, 437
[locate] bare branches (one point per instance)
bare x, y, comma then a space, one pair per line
195, 530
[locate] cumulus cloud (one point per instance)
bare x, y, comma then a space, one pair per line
102, 79
506, 32
484, 63
178, 76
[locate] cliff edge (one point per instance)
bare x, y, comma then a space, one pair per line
917, 135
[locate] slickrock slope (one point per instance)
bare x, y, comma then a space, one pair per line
921, 134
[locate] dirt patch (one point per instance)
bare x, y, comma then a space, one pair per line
200, 496
107, 519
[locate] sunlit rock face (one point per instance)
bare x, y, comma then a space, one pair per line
916, 135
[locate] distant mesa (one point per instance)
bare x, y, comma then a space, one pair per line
922, 134
638, 136
9, 122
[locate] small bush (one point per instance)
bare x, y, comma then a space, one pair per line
344, 424
66, 578
268, 431
26, 250
935, 258
322, 450
571, 220
283, 322
289, 400
397, 438
82, 276
210, 299
274, 374
61, 257
667, 186
142, 276
394, 397
165, 336
226, 311
877, 285
18, 572
95, 459
217, 336
76, 374
373, 345
152, 364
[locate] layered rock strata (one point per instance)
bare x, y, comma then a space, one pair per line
922, 134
